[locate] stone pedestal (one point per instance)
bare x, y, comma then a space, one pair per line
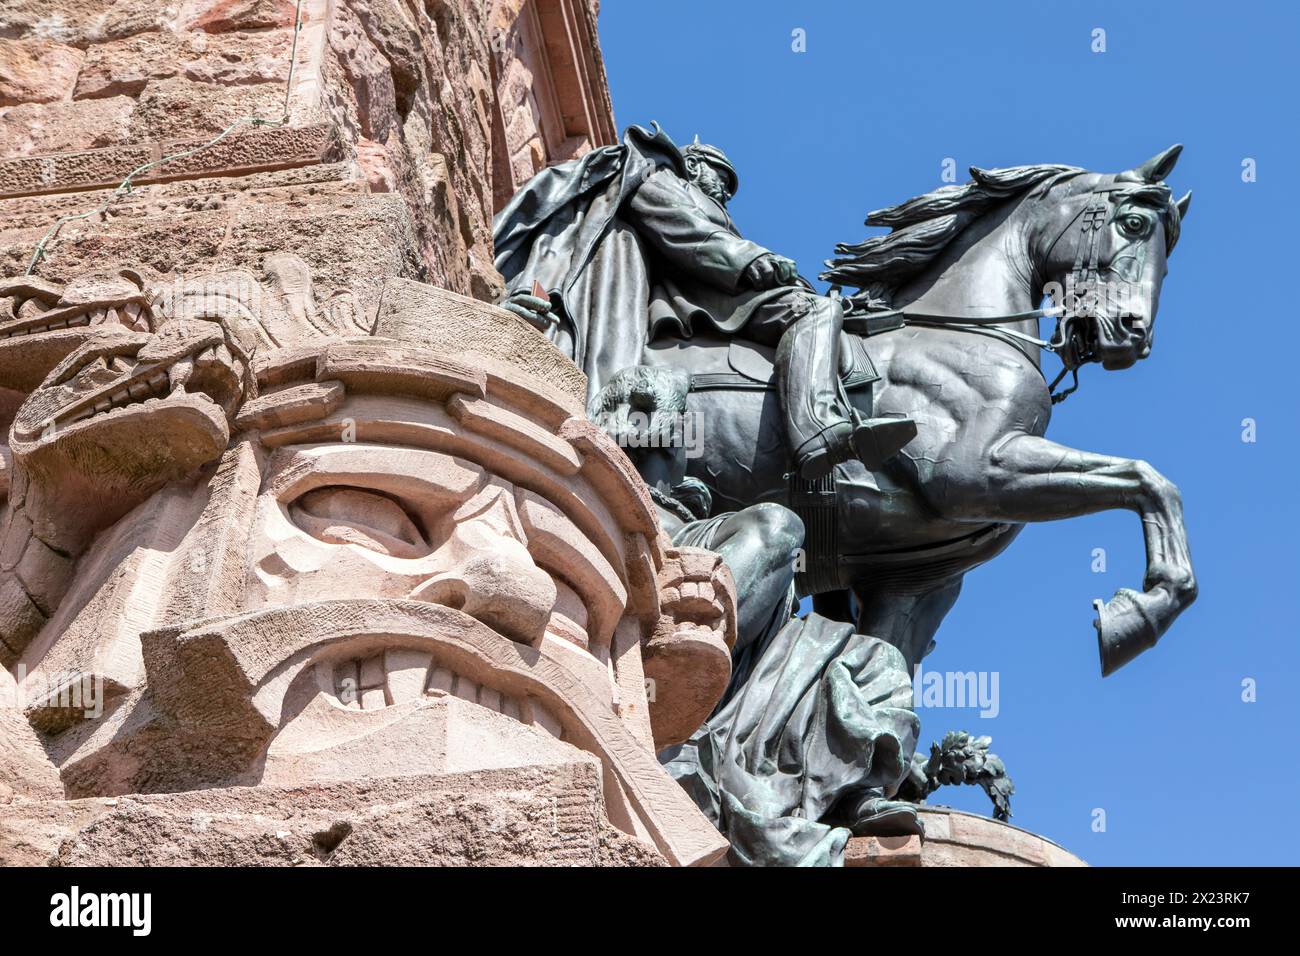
955, 838
524, 816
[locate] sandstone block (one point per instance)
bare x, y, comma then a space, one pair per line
37, 71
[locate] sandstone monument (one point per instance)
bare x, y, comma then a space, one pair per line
345, 356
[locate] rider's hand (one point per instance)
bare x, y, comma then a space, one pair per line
770, 270
533, 309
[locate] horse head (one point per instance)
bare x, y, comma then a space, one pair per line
1099, 245
990, 250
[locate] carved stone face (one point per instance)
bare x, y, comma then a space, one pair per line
449, 585
342, 521
41, 323
363, 559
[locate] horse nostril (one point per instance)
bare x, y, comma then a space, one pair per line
1134, 326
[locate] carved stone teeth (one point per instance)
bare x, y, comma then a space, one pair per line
134, 317
399, 675
68, 322
179, 374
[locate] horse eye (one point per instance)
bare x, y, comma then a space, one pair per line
1133, 224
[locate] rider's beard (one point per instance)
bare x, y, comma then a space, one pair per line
711, 187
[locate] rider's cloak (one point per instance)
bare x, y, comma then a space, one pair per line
624, 244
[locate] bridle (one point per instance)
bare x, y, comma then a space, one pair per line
1069, 341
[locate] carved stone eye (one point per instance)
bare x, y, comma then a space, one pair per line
341, 515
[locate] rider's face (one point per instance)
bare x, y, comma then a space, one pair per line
710, 182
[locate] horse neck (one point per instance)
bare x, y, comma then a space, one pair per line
985, 271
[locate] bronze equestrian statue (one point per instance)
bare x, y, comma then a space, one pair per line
949, 303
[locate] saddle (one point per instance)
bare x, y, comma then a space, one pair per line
753, 367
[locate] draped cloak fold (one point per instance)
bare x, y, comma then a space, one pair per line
814, 717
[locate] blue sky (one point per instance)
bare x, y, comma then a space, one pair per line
1185, 770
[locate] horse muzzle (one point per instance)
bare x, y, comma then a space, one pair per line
1120, 343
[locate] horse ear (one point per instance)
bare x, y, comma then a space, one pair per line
1158, 167
1183, 205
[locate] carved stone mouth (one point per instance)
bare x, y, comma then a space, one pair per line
160, 381
136, 316
398, 675
693, 603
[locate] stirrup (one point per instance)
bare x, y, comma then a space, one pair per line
819, 455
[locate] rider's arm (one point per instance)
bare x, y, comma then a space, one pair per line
690, 231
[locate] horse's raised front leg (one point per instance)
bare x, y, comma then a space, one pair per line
1028, 478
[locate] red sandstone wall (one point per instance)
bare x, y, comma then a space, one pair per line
411, 121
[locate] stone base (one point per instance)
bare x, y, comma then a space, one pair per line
955, 838
532, 816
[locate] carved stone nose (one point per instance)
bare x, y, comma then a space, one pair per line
506, 591
491, 576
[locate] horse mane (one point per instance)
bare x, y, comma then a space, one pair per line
924, 225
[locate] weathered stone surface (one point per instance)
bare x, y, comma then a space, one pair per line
82, 23
65, 127
517, 730
414, 312
359, 557
25, 769
420, 97
518, 817
218, 16
37, 71
956, 838
124, 67
176, 108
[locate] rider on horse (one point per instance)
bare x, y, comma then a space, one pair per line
633, 238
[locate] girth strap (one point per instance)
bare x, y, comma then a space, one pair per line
814, 503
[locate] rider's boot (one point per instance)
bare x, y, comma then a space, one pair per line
824, 429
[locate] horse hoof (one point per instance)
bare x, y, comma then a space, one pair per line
1123, 630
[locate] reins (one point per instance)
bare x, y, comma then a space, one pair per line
1065, 343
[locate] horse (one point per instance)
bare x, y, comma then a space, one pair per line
948, 304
